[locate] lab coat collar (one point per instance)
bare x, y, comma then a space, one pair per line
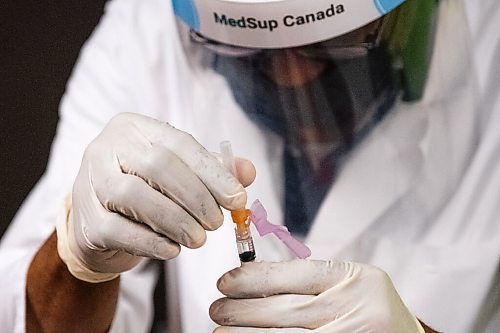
379, 172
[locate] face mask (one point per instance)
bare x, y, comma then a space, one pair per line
327, 115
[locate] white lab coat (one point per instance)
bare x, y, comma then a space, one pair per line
420, 197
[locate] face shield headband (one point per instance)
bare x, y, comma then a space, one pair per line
278, 24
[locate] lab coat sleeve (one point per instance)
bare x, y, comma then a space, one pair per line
101, 85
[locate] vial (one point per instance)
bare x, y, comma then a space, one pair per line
244, 241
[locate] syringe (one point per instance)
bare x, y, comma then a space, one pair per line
241, 217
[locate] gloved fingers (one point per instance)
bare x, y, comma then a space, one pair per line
225, 188
118, 233
165, 172
299, 311
132, 197
307, 277
245, 170
229, 329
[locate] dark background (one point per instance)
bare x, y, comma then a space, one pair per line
39, 43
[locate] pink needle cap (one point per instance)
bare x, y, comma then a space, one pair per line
264, 227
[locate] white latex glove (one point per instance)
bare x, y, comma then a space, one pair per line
305, 296
143, 188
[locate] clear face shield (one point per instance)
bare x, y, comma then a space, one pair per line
322, 97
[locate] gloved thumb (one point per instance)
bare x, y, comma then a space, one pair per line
245, 171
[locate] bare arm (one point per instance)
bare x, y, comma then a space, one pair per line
58, 302
427, 329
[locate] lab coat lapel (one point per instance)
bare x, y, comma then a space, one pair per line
376, 175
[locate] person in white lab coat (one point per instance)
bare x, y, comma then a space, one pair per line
380, 146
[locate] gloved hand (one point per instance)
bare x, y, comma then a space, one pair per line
143, 188
306, 295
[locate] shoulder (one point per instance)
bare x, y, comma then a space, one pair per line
483, 18
141, 11
481, 14
127, 64
139, 18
